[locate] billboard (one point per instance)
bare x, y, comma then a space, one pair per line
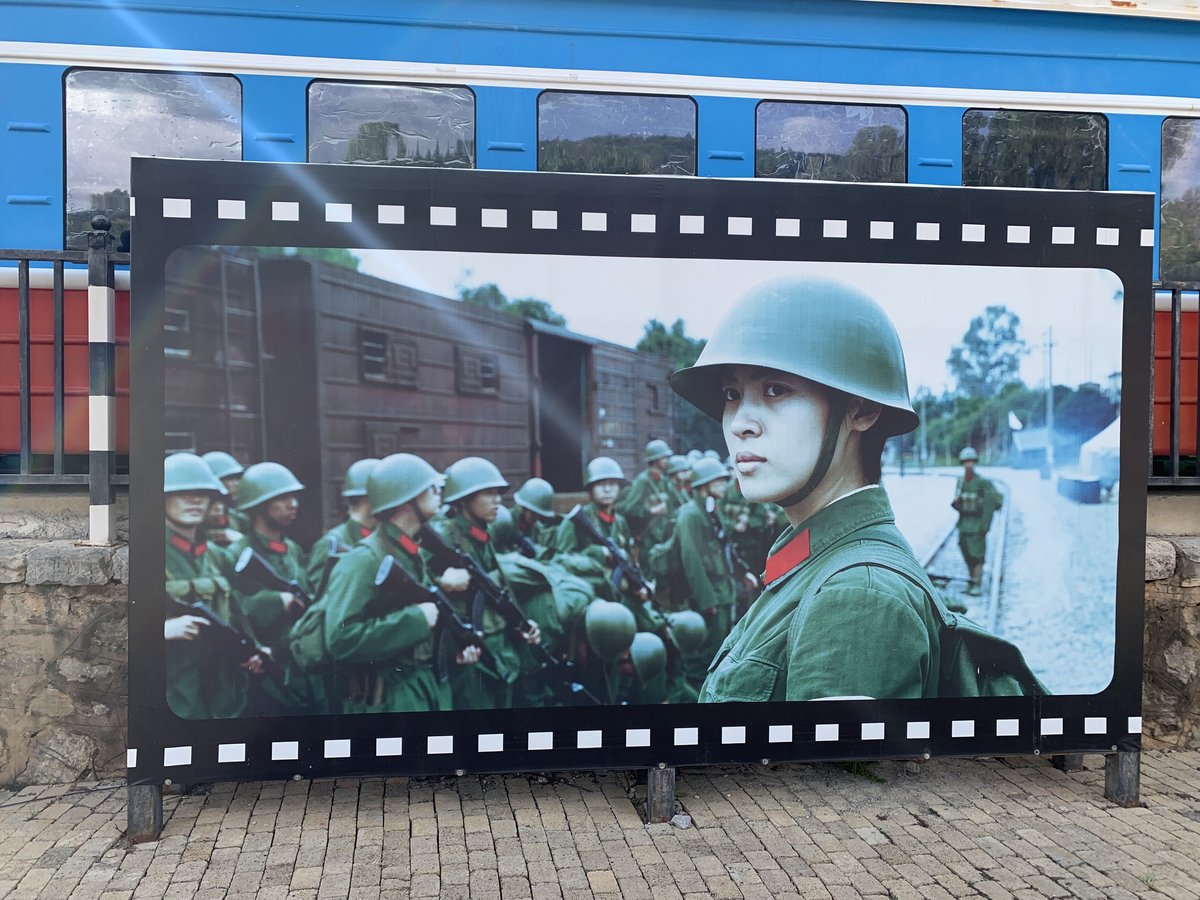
465, 471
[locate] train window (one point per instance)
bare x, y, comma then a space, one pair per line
655, 402
478, 372
617, 134
177, 326
391, 124
830, 142
387, 358
1179, 231
1035, 149
179, 442
112, 115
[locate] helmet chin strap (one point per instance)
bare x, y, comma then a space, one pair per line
833, 428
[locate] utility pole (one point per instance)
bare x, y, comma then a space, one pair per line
1050, 399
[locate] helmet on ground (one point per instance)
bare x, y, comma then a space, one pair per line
649, 655
355, 484
265, 481
185, 472
705, 470
687, 630
223, 465
657, 449
822, 330
678, 464
398, 479
502, 530
610, 629
537, 496
602, 468
968, 453
471, 475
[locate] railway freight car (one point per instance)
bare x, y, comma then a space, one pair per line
352, 366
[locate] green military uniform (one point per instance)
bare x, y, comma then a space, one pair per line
381, 652
649, 488
687, 665
764, 521
264, 607
199, 684
347, 535
710, 585
539, 533
976, 500
866, 631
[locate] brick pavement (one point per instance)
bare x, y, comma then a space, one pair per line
951, 829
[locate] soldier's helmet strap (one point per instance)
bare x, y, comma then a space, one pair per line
838, 406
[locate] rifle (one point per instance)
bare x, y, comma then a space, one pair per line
229, 640
251, 564
336, 551
525, 546
623, 567
729, 552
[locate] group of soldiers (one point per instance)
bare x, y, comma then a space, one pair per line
432, 595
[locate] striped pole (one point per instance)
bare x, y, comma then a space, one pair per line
102, 519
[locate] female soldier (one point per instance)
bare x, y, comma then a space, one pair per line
807, 378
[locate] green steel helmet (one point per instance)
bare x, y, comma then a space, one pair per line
656, 450
537, 496
265, 481
711, 454
602, 468
355, 484
189, 472
649, 655
968, 453
397, 479
705, 470
678, 464
688, 631
610, 629
503, 531
223, 464
470, 475
693, 455
822, 330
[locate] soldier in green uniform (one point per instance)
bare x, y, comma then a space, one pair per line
687, 637
609, 630
358, 525
381, 647
679, 473
229, 472
218, 528
200, 683
645, 503
976, 500
646, 682
807, 378
534, 516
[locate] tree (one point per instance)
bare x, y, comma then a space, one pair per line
336, 256
490, 296
692, 427
989, 356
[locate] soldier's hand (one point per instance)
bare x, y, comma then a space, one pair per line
751, 581
255, 665
743, 522
468, 656
658, 509
431, 612
292, 605
643, 594
455, 580
184, 628
533, 634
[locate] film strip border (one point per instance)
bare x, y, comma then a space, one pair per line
102, 389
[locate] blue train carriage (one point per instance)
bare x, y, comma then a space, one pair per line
1043, 95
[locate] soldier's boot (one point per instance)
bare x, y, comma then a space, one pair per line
975, 588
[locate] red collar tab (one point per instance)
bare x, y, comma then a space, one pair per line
787, 557
364, 531
606, 518
409, 546
479, 534
277, 547
968, 476
656, 475
183, 546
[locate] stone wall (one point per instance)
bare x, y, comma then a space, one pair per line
1171, 685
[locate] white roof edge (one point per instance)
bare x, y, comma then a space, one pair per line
1158, 9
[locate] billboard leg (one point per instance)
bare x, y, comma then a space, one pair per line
1067, 762
660, 795
1122, 777
144, 807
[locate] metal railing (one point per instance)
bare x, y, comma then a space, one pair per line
1179, 466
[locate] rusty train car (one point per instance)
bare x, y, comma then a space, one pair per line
315, 365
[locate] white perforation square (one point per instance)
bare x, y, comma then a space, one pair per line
779, 734
637, 737
177, 756
392, 746
438, 744
285, 750
972, 233
787, 228
643, 223
741, 226
177, 208
1062, 234
541, 740
391, 215
493, 218
231, 209
883, 231
687, 737
339, 212
872, 731
1052, 727
929, 231
231, 753
827, 732
131, 759
544, 219
285, 211
1108, 237
594, 221
1008, 727
733, 734
589, 740
1095, 725
491, 743
834, 228
337, 749
1134, 724
962, 728
1018, 234
918, 731
1147, 237
691, 224
446, 216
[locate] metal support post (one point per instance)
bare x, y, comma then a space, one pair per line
1067, 762
660, 795
102, 388
144, 808
1122, 777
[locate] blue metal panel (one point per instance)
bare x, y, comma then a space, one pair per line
31, 157
935, 144
1135, 158
726, 137
274, 118
506, 128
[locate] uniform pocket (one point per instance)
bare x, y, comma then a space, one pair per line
733, 680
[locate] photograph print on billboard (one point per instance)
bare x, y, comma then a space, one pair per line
468, 471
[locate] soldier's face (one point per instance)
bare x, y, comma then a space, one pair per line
187, 510
216, 514
484, 505
231, 483
282, 511
430, 501
969, 465
774, 423
604, 493
718, 488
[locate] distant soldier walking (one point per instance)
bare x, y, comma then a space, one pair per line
976, 500
647, 501
357, 527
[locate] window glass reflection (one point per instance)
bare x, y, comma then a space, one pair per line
1035, 149
1179, 231
830, 142
617, 134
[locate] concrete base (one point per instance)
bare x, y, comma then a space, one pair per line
660, 795
144, 812
1176, 514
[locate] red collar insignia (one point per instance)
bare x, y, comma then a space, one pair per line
787, 557
606, 518
409, 546
479, 534
183, 546
277, 547
364, 531
968, 476
656, 475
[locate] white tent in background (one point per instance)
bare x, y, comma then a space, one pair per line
1101, 456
